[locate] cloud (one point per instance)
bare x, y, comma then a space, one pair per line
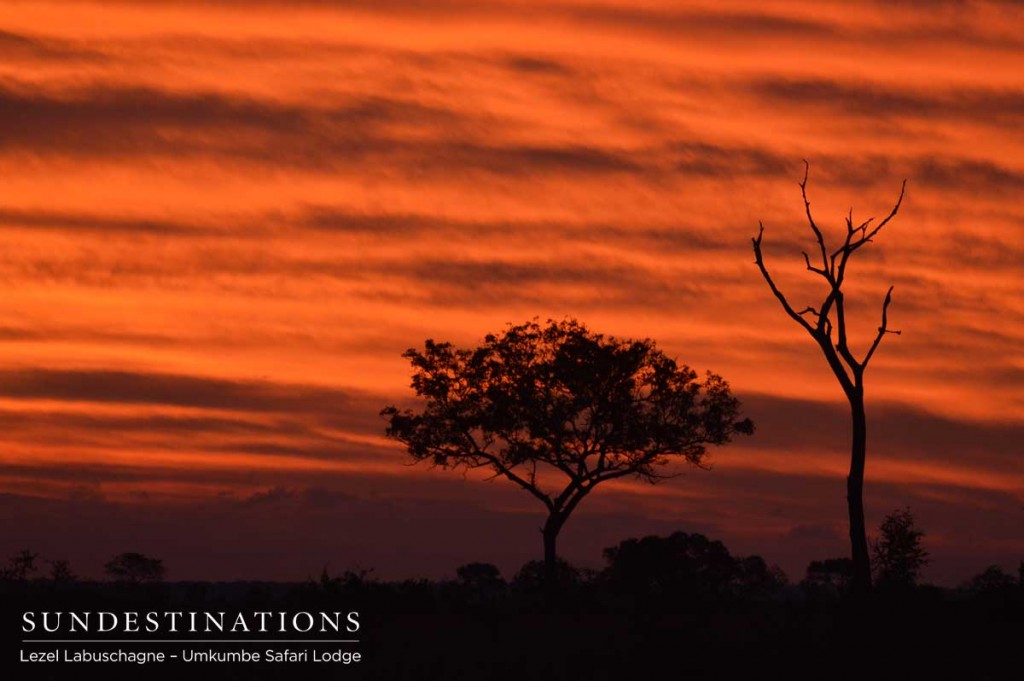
294, 198
703, 159
898, 431
124, 387
1001, 107
702, 21
18, 47
985, 177
110, 120
814, 533
114, 120
102, 224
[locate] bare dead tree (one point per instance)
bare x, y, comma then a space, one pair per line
827, 325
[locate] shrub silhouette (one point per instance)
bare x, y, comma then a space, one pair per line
832, 575
20, 567
991, 580
479, 576
60, 571
686, 565
534, 576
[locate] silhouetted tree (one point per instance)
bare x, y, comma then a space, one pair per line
827, 326
558, 410
898, 554
20, 566
135, 568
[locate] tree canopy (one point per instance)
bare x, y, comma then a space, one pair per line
558, 409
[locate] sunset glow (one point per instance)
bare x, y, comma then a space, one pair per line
222, 223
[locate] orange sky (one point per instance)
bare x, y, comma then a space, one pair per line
221, 223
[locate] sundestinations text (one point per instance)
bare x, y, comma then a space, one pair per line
189, 622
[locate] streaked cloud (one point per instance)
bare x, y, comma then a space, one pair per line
222, 223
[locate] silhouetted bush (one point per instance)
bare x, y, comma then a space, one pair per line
687, 565
480, 576
531, 576
20, 567
135, 568
991, 580
830, 577
61, 572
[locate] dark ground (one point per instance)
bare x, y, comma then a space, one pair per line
472, 632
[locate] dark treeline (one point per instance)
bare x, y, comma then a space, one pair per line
681, 601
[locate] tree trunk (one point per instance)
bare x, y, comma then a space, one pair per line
855, 496
550, 531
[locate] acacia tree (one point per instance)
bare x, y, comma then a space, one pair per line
826, 324
558, 410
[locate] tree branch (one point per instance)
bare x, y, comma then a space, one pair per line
501, 468
809, 309
841, 359
867, 236
814, 227
882, 330
759, 260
